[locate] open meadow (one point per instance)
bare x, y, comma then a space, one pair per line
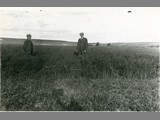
107, 78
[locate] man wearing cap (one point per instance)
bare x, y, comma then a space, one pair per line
28, 45
82, 44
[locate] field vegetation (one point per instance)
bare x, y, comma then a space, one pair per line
107, 78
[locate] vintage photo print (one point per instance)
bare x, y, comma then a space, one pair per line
79, 59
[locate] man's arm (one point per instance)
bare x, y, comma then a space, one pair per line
86, 44
78, 45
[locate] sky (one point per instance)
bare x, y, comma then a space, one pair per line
99, 24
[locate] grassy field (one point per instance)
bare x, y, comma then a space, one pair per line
107, 78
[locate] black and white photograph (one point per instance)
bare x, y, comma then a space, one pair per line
80, 59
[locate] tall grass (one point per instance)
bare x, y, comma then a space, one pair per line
104, 79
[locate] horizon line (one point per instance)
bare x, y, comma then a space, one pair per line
1, 38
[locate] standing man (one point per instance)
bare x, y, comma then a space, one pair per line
28, 45
82, 44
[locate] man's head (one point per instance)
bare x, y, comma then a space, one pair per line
29, 36
81, 34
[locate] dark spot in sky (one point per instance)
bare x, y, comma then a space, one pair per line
41, 10
129, 11
27, 12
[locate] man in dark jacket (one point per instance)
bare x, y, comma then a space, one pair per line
28, 45
82, 44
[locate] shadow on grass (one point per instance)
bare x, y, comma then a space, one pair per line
72, 106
